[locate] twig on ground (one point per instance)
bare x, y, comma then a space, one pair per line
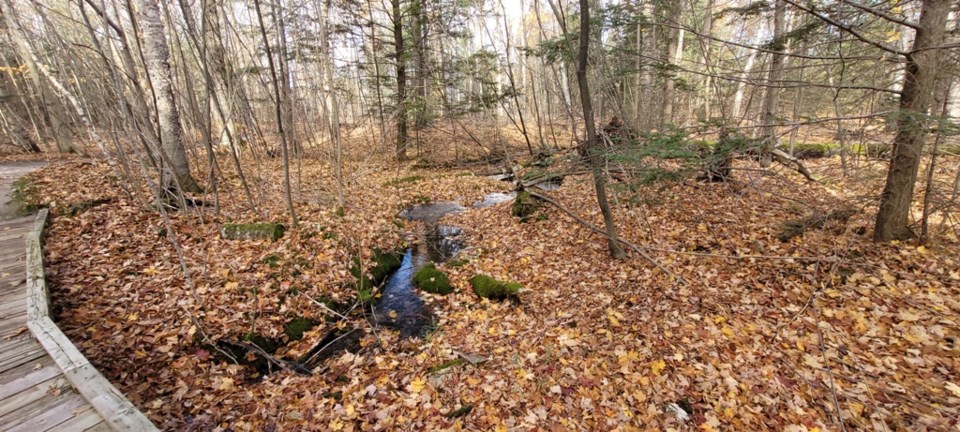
626, 243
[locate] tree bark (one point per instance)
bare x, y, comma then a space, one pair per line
773, 77
279, 114
55, 119
176, 167
592, 148
919, 83
401, 81
671, 56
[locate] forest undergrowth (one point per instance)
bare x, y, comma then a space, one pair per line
817, 330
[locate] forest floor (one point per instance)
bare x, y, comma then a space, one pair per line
822, 331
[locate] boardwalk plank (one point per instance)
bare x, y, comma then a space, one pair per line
21, 404
27, 375
24, 353
82, 422
51, 411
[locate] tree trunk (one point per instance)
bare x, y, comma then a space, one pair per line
220, 75
330, 101
670, 57
592, 148
769, 118
279, 114
919, 82
176, 167
401, 82
52, 113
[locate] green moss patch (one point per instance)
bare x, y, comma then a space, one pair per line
431, 280
295, 328
253, 231
383, 264
447, 365
524, 206
460, 412
459, 262
271, 260
487, 287
26, 197
404, 180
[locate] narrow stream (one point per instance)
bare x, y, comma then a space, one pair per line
400, 305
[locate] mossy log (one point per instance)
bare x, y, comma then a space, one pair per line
432, 280
253, 231
487, 287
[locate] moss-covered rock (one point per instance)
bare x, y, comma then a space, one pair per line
487, 287
295, 328
524, 206
384, 263
254, 231
432, 280
814, 150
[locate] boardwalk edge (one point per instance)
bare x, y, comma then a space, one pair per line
112, 405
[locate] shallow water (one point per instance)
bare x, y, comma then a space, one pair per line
432, 212
493, 199
400, 305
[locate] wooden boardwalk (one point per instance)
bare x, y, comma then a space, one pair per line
35, 395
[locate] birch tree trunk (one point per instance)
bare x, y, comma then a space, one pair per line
58, 125
176, 167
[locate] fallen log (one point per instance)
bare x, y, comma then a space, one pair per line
253, 231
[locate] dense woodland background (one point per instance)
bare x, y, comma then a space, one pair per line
756, 229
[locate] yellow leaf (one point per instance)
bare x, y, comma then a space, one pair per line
133, 317
658, 366
922, 250
955, 389
613, 320
230, 286
417, 385
335, 425
226, 384
150, 271
727, 331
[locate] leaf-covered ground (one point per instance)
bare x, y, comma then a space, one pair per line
797, 335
